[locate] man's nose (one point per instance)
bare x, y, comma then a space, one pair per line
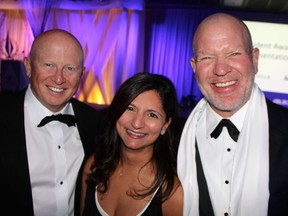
222, 66
59, 76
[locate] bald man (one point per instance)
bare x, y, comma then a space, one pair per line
40, 162
241, 167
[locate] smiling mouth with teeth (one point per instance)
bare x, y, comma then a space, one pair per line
56, 89
135, 134
225, 84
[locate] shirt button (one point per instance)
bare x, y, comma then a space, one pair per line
61, 182
226, 182
228, 149
226, 214
59, 147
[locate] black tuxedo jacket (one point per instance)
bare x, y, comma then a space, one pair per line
15, 187
278, 153
278, 166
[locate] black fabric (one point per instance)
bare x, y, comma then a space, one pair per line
154, 208
205, 206
232, 130
278, 160
15, 186
70, 120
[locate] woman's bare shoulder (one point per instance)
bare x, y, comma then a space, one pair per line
174, 204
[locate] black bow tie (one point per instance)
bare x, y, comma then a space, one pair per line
232, 130
70, 120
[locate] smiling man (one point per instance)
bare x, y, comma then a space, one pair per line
40, 162
233, 154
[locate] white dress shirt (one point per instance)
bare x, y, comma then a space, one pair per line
217, 157
55, 154
247, 188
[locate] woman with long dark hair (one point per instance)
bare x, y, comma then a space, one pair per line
133, 170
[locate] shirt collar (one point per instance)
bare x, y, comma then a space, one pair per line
37, 111
213, 119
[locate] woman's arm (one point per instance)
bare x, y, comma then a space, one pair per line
85, 174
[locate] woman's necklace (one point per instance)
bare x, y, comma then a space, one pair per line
123, 173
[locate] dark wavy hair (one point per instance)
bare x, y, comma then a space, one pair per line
108, 153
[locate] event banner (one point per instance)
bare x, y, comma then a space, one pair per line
272, 76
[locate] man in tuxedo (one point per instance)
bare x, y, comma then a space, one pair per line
239, 167
40, 163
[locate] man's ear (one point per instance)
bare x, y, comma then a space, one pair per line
193, 63
27, 64
255, 56
83, 71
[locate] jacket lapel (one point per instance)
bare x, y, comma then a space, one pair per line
13, 150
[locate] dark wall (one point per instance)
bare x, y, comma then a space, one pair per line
13, 76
